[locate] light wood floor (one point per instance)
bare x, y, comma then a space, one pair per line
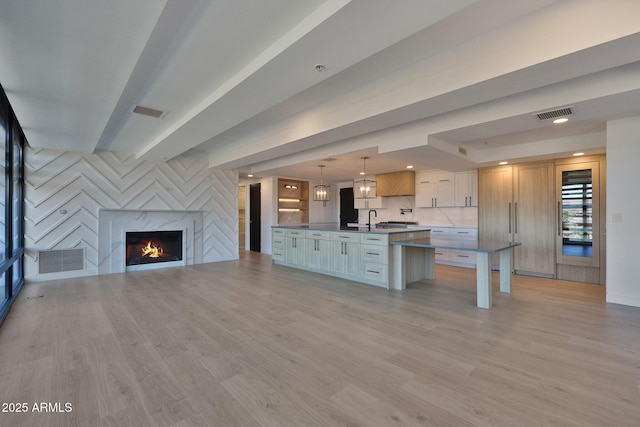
247, 343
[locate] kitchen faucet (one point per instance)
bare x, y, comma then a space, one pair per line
376, 215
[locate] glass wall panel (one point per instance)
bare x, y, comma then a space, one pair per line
12, 143
17, 273
3, 171
16, 208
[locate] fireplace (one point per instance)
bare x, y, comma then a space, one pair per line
153, 249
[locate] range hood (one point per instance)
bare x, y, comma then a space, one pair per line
396, 184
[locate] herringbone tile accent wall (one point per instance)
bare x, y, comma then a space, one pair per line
65, 191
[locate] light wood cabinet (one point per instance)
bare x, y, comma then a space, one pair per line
396, 184
534, 219
516, 204
293, 201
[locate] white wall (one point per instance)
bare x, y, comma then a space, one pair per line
64, 192
623, 206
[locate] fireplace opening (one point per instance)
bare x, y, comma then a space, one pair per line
151, 247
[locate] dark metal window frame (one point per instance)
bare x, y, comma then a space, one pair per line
13, 258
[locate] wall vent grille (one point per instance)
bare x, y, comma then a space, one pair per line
462, 150
56, 261
554, 114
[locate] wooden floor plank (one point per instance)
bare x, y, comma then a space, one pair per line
249, 343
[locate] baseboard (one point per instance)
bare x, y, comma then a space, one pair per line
623, 300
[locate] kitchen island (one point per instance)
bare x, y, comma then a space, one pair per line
414, 260
354, 253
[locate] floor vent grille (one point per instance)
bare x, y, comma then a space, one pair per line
56, 261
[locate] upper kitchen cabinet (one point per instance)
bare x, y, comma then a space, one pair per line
396, 184
466, 188
373, 203
435, 189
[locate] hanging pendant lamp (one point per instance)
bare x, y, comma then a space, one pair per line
322, 193
364, 188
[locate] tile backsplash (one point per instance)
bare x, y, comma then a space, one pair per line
441, 217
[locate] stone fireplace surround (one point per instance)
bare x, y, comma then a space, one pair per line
113, 224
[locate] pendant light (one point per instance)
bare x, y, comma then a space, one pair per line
364, 188
322, 193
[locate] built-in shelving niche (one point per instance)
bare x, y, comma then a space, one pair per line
293, 201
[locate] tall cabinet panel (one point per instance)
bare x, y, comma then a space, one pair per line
495, 205
516, 203
534, 219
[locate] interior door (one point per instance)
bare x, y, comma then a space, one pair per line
255, 242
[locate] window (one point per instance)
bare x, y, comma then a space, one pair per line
12, 144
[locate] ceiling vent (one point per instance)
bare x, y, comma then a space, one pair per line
146, 111
462, 150
554, 114
329, 159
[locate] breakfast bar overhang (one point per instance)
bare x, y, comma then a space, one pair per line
414, 260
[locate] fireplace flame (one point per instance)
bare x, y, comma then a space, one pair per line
152, 251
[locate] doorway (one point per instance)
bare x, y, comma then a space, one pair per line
347, 212
254, 218
242, 195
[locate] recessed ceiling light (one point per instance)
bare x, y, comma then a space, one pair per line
503, 163
409, 166
578, 154
362, 173
320, 67
561, 120
250, 175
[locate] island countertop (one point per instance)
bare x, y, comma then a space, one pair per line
337, 227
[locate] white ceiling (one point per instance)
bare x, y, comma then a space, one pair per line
405, 81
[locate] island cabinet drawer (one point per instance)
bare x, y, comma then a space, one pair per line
375, 273
295, 233
277, 247
346, 237
464, 233
277, 231
467, 257
440, 232
277, 242
375, 239
442, 254
320, 235
374, 253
